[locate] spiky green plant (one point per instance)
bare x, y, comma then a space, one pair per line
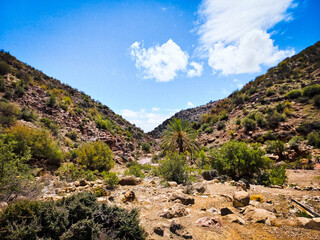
179, 136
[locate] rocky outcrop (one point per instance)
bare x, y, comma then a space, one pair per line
191, 115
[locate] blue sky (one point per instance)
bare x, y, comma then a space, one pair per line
148, 59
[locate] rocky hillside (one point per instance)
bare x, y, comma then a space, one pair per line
191, 115
282, 104
72, 116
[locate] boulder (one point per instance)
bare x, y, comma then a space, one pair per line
241, 199
185, 199
177, 210
129, 180
83, 183
258, 215
200, 188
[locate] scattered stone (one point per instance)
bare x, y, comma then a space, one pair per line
129, 180
76, 183
232, 183
83, 183
179, 230
177, 210
208, 222
159, 231
185, 199
241, 199
210, 175
225, 211
200, 188
172, 184
245, 181
129, 196
241, 186
235, 218
214, 210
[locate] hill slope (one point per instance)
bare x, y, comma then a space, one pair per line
71, 115
279, 105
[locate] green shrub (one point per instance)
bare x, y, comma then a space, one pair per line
28, 115
174, 168
203, 161
4, 68
223, 115
293, 94
274, 119
270, 92
294, 142
19, 91
42, 146
314, 139
135, 170
260, 119
95, 156
52, 101
145, 147
275, 146
70, 172
46, 121
221, 125
277, 175
75, 217
15, 174
311, 90
307, 127
111, 179
208, 130
248, 124
72, 135
239, 160
316, 101
8, 113
2, 84
104, 124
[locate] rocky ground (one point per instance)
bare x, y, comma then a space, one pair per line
210, 209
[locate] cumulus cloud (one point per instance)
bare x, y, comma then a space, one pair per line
147, 120
196, 69
159, 62
190, 104
234, 33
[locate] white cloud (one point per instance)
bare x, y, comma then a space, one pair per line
155, 109
196, 70
234, 33
190, 104
160, 62
238, 83
146, 120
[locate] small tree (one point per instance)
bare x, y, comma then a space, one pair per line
239, 160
